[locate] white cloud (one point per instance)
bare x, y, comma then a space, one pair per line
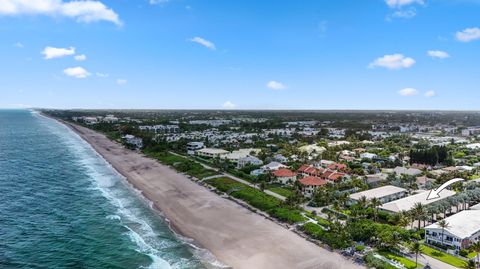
158, 2
76, 72
203, 42
18, 45
80, 58
403, 14
408, 92
83, 11
51, 52
469, 34
401, 3
438, 54
102, 75
121, 81
229, 105
393, 61
430, 94
275, 85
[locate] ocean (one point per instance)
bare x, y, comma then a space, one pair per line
63, 206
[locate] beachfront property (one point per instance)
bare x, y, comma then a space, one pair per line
285, 176
385, 194
211, 152
248, 160
272, 166
311, 184
408, 203
192, 147
236, 155
463, 230
134, 141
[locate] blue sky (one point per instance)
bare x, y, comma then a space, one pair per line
270, 54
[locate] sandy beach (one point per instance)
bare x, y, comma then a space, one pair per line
236, 236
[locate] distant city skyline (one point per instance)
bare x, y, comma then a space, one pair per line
181, 54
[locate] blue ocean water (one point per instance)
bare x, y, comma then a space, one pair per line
63, 206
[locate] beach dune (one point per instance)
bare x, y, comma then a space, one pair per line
237, 237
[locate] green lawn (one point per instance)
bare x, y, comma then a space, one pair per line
257, 199
406, 262
442, 256
182, 164
281, 190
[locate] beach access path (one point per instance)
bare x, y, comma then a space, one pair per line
236, 236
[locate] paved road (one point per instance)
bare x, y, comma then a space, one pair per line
271, 193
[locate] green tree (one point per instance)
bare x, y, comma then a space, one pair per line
444, 225
416, 248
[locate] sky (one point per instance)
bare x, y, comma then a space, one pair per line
249, 54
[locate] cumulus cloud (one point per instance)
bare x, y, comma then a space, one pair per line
203, 42
469, 34
51, 52
229, 105
275, 85
408, 92
121, 81
401, 3
393, 61
82, 10
102, 75
76, 72
430, 94
80, 58
438, 54
18, 45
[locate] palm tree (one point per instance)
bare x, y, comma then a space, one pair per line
444, 225
375, 203
403, 219
418, 211
471, 264
476, 247
416, 248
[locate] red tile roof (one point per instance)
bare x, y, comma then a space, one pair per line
283, 172
312, 181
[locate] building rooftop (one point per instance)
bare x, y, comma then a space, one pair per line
377, 192
463, 224
312, 181
213, 151
407, 203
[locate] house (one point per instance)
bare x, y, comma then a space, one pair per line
399, 170
280, 158
236, 155
249, 160
407, 203
307, 170
310, 149
385, 194
375, 179
422, 181
368, 155
194, 146
134, 141
285, 176
311, 184
211, 152
273, 166
463, 230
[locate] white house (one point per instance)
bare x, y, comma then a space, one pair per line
249, 160
368, 155
463, 230
211, 152
273, 166
399, 170
194, 146
407, 203
134, 141
385, 194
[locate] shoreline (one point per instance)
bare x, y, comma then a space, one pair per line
234, 235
